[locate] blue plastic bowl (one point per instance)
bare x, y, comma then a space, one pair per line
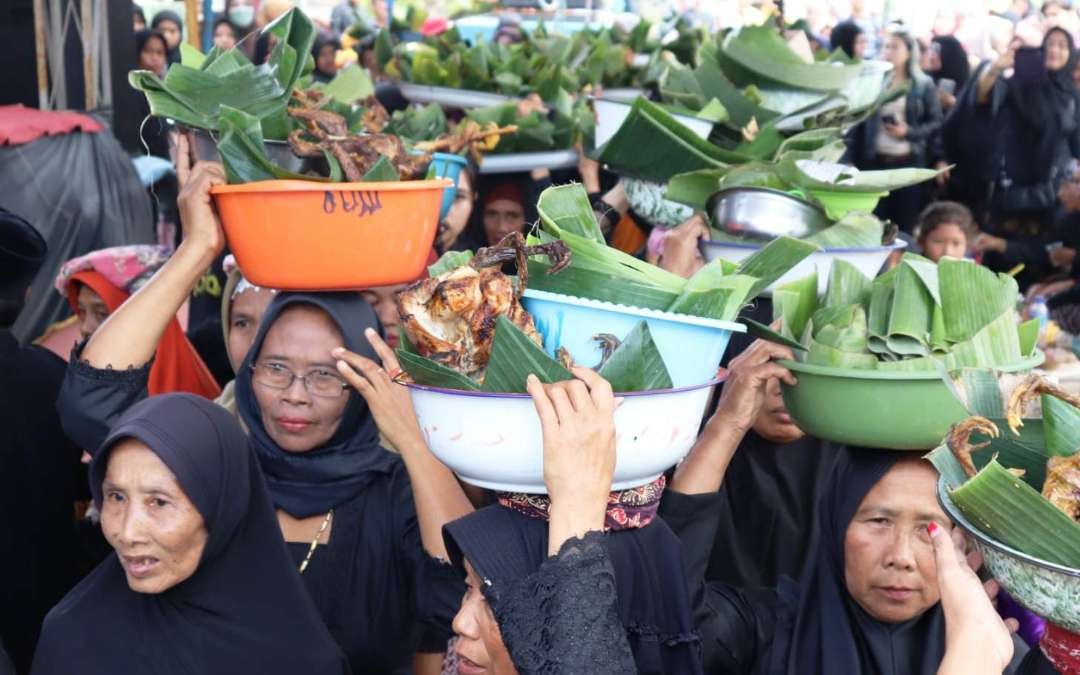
448, 166
691, 346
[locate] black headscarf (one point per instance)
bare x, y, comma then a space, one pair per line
954, 61
172, 55
830, 632
313, 482
22, 251
322, 40
1044, 116
505, 546
843, 36
243, 610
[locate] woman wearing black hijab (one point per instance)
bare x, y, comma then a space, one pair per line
1035, 115
171, 26
240, 609
348, 509
848, 37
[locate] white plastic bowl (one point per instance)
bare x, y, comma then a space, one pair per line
494, 440
868, 260
611, 114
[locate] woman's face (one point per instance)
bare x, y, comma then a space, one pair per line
245, 314
138, 22
480, 648
157, 533
152, 57
773, 422
457, 218
171, 31
383, 299
897, 53
325, 62
502, 217
300, 341
947, 239
224, 37
91, 311
889, 564
1057, 51
861, 44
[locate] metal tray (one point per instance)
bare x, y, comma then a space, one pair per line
450, 98
527, 161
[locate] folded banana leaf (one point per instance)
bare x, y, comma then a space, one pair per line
424, 371
854, 230
194, 96
755, 54
513, 357
244, 156
451, 260
568, 209
636, 365
847, 285
809, 174
794, 303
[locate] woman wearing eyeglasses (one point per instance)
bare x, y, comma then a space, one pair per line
363, 526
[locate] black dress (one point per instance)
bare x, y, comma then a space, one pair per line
39, 469
372, 584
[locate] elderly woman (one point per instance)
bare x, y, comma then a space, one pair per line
199, 582
242, 308
886, 590
362, 525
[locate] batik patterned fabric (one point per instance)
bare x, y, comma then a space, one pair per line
126, 267
627, 509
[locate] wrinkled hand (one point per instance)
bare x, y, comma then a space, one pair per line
972, 625
578, 422
899, 130
988, 242
682, 254
197, 215
744, 391
389, 402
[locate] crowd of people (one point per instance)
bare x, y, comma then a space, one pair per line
208, 476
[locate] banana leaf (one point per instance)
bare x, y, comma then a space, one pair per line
416, 123
194, 96
763, 332
607, 286
672, 148
694, 188
760, 54
451, 260
424, 371
996, 344
1029, 336
242, 151
842, 178
786, 101
824, 355
1009, 510
877, 318
794, 303
855, 230
910, 315
774, 260
350, 85
713, 83
1061, 423
567, 208
712, 294
382, 171
513, 357
847, 333
847, 285
636, 365
963, 280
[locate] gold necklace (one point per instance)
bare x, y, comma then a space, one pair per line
315, 541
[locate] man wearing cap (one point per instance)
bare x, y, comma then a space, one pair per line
38, 465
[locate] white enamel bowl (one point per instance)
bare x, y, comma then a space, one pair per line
494, 440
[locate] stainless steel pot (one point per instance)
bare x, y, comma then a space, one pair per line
762, 214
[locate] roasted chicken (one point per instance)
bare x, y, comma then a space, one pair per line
1062, 484
451, 318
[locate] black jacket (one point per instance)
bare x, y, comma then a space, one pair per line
922, 111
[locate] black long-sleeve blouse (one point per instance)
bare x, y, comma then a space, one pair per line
373, 583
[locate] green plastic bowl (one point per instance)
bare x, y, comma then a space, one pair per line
875, 409
839, 204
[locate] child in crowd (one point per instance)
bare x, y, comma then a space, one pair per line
945, 229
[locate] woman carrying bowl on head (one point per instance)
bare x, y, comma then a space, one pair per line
362, 525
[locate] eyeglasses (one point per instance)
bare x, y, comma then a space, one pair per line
319, 382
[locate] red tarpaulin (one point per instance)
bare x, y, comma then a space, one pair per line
19, 124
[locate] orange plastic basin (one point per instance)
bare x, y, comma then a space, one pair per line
302, 235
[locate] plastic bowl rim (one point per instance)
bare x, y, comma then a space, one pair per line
450, 157
960, 519
733, 326
505, 395
290, 185
898, 244
921, 375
